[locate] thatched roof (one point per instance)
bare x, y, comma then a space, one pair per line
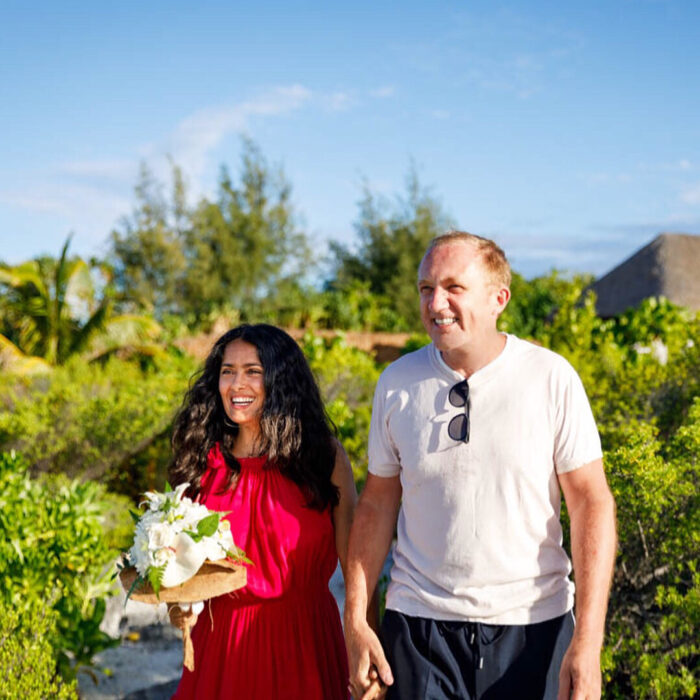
669, 266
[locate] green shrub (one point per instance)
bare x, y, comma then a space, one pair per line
27, 661
652, 649
347, 377
53, 548
95, 421
353, 306
415, 342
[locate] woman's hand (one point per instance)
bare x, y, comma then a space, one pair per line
184, 618
377, 688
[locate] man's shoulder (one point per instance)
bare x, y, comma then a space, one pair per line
408, 365
531, 353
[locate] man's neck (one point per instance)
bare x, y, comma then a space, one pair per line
469, 360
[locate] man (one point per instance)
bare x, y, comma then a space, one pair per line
472, 439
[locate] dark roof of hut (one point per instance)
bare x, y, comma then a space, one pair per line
669, 266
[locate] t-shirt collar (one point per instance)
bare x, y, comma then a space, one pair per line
480, 375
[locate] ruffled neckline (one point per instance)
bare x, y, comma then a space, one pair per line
252, 462
216, 460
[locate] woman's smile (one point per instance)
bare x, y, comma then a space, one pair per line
241, 384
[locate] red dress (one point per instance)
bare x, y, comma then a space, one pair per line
280, 636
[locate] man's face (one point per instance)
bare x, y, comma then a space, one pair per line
459, 302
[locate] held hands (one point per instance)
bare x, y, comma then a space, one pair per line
369, 670
580, 677
377, 688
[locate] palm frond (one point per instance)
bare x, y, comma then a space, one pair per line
13, 360
126, 331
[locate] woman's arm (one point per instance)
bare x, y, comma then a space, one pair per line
343, 513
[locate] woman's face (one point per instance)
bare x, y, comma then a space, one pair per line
241, 384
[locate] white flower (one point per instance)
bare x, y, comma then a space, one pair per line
163, 557
180, 490
157, 500
161, 538
189, 556
160, 535
140, 557
213, 548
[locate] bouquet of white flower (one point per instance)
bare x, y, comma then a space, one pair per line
182, 553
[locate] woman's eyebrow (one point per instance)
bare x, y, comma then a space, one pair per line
247, 364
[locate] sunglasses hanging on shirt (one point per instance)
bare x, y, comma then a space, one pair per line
458, 427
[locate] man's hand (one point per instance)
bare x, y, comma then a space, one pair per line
580, 677
369, 669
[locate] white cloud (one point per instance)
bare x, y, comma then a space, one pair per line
682, 165
91, 195
103, 169
691, 195
46, 212
64, 199
195, 137
383, 92
338, 101
608, 178
533, 54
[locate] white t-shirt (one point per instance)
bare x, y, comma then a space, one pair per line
479, 536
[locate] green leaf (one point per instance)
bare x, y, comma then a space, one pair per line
194, 535
168, 487
155, 578
135, 516
208, 526
238, 555
137, 582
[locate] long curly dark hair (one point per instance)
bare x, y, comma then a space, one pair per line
295, 432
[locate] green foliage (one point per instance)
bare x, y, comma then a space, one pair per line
392, 241
95, 420
347, 378
147, 256
652, 649
292, 304
246, 243
642, 375
534, 302
415, 342
241, 253
53, 550
655, 320
52, 311
27, 660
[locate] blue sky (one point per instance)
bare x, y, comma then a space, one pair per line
568, 132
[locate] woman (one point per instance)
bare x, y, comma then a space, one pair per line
253, 439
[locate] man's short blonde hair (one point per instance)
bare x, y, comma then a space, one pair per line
494, 258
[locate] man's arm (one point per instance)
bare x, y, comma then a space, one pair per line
593, 546
370, 539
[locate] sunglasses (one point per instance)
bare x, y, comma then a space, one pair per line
458, 427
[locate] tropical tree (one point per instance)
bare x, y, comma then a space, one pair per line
55, 309
392, 241
244, 246
535, 302
147, 256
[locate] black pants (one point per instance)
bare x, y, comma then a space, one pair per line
441, 660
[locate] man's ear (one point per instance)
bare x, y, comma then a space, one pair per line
502, 299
